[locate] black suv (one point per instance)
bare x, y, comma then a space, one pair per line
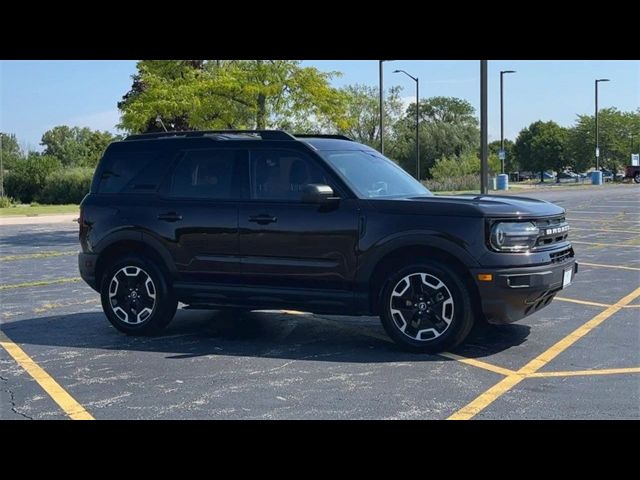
261, 219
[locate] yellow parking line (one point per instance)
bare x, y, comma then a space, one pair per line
11, 258
583, 302
59, 395
488, 397
576, 373
606, 230
478, 363
601, 221
621, 267
599, 244
39, 283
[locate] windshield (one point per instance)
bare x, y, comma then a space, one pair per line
373, 176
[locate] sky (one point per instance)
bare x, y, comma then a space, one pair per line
38, 95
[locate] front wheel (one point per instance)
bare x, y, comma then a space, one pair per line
135, 296
426, 307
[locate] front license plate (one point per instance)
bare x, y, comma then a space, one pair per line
566, 279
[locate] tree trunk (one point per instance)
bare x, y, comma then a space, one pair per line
541, 176
261, 115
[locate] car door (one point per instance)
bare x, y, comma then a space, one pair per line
288, 244
197, 216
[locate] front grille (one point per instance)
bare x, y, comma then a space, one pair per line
562, 256
552, 230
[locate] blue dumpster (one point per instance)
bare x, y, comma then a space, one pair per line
596, 178
503, 181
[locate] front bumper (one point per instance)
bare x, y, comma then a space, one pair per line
87, 266
514, 293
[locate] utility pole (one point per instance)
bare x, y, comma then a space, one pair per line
484, 144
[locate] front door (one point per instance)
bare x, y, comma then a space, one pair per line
287, 244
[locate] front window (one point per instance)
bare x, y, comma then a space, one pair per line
373, 176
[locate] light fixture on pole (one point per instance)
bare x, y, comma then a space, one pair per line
502, 152
597, 144
415, 79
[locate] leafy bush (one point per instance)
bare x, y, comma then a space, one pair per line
463, 182
454, 167
6, 202
66, 186
26, 179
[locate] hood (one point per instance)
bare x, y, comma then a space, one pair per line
482, 206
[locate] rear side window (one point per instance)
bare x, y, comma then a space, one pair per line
134, 168
213, 174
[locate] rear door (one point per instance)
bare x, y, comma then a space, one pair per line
197, 215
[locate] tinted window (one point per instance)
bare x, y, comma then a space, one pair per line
215, 174
131, 167
282, 175
371, 175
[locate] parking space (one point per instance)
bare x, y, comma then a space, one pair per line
577, 358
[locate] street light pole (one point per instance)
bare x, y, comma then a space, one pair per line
597, 144
381, 91
502, 155
415, 79
381, 104
484, 147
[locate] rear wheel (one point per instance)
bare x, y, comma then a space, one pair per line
135, 296
426, 307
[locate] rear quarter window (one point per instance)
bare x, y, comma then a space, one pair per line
132, 167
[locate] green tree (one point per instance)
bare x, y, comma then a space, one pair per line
542, 146
448, 128
10, 154
75, 146
510, 163
10, 150
229, 94
362, 113
28, 176
617, 131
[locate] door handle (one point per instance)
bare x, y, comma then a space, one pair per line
170, 217
263, 219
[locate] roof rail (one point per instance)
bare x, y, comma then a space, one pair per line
264, 134
322, 135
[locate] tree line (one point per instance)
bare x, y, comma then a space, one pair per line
259, 94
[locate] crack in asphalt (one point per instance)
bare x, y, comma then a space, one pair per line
12, 400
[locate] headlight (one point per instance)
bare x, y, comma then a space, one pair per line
513, 237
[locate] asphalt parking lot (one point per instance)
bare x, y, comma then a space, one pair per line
579, 358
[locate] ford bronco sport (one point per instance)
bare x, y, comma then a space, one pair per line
262, 219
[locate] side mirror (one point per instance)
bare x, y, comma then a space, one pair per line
319, 194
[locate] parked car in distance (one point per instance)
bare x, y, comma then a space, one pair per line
568, 176
633, 172
261, 219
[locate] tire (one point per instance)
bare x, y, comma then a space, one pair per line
440, 307
152, 306
637, 178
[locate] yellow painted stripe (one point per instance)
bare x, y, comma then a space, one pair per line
621, 267
478, 364
488, 397
582, 302
11, 258
604, 212
576, 373
601, 221
599, 244
606, 230
59, 395
39, 283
